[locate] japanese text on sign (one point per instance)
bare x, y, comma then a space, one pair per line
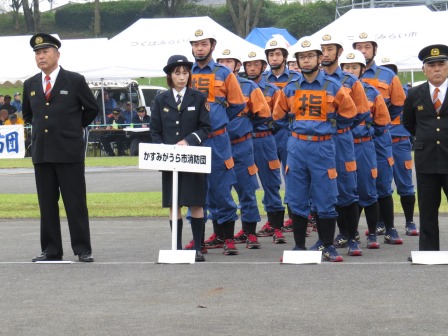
12, 141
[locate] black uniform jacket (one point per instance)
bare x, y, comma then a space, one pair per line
430, 130
57, 134
169, 126
138, 123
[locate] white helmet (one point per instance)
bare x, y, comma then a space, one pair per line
364, 37
388, 63
276, 43
330, 39
253, 54
352, 56
227, 53
306, 43
200, 34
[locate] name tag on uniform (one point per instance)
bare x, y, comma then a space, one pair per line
33, 93
64, 92
191, 108
420, 108
166, 109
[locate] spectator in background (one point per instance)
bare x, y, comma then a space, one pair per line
7, 105
2, 100
14, 120
128, 112
3, 116
116, 121
109, 103
17, 103
141, 120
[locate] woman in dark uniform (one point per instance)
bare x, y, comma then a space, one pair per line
180, 116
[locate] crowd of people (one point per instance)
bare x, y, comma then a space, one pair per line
333, 122
328, 119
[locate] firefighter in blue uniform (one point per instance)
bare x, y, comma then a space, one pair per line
376, 122
226, 101
388, 84
320, 106
402, 152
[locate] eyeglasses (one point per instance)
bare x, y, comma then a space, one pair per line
304, 57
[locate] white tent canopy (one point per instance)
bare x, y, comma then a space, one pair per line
87, 56
143, 49
401, 32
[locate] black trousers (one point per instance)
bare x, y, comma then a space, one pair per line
429, 187
68, 180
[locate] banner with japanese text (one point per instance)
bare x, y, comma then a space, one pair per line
12, 142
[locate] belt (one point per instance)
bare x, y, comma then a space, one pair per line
363, 139
242, 139
343, 130
398, 139
262, 134
218, 132
311, 137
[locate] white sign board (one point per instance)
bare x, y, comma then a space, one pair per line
194, 159
430, 257
12, 142
302, 257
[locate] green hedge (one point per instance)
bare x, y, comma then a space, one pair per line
115, 16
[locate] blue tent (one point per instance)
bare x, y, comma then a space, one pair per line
260, 36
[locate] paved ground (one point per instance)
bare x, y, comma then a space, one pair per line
125, 292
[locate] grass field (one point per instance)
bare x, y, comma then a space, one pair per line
138, 204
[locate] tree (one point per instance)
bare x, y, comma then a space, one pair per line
16, 5
245, 14
97, 19
170, 7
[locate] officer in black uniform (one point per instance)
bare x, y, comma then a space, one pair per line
425, 116
59, 104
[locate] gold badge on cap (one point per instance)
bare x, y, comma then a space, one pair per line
198, 33
252, 54
435, 52
351, 56
326, 37
385, 60
363, 35
226, 52
38, 40
306, 44
273, 43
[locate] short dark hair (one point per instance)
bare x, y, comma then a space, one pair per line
169, 80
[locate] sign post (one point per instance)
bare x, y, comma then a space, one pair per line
193, 159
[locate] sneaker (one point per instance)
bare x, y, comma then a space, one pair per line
340, 241
229, 247
252, 242
266, 231
411, 229
240, 237
330, 254
190, 246
287, 226
380, 228
318, 246
278, 237
372, 242
353, 249
214, 242
392, 237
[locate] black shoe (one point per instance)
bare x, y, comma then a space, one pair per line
410, 259
199, 256
86, 257
45, 257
